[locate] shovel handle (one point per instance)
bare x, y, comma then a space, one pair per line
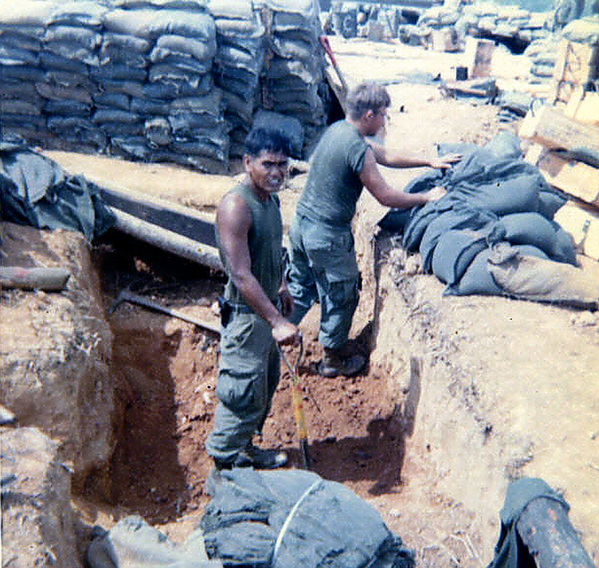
324, 41
293, 369
298, 405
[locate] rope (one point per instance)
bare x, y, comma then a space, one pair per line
290, 516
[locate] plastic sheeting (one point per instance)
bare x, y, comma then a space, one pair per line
35, 191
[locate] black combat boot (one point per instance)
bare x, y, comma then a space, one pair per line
338, 362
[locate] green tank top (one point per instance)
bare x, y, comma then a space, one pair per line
265, 240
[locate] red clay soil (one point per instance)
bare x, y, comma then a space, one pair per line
168, 371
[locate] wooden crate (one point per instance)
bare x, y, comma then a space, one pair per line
551, 128
574, 178
577, 64
583, 224
479, 54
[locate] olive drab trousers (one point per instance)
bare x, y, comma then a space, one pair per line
323, 268
248, 376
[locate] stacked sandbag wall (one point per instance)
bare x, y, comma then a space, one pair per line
485, 19
173, 81
293, 83
238, 65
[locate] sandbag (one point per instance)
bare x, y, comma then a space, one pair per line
112, 100
533, 229
118, 72
21, 39
67, 108
454, 252
58, 36
542, 280
137, 23
132, 543
171, 47
175, 74
87, 14
478, 279
53, 61
17, 56
20, 73
459, 217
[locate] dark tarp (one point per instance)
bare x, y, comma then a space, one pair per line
35, 191
510, 552
295, 518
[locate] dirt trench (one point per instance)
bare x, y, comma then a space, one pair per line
167, 370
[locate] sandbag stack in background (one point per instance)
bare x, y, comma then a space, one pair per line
482, 19
293, 82
172, 111
238, 65
22, 29
542, 53
70, 60
178, 81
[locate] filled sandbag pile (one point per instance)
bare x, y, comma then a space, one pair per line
159, 80
165, 106
486, 19
70, 58
493, 198
543, 55
22, 30
293, 68
238, 64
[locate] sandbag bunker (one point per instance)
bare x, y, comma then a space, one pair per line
177, 81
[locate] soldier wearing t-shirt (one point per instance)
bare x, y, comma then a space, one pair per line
323, 263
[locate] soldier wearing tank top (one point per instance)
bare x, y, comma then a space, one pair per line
256, 300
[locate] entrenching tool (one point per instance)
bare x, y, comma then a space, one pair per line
127, 296
298, 407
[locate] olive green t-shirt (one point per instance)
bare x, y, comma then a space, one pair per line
264, 243
334, 186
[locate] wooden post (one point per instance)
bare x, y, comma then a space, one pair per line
36, 278
551, 539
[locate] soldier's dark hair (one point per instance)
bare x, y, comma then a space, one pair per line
270, 139
367, 96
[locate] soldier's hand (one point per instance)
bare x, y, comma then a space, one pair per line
436, 193
445, 162
286, 333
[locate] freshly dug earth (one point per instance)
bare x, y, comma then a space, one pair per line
507, 388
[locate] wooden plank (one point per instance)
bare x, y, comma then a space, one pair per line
181, 220
583, 225
574, 178
551, 128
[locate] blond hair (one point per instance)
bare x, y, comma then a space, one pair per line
365, 97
